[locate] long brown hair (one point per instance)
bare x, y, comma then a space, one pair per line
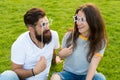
97, 36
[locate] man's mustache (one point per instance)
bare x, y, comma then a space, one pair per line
45, 31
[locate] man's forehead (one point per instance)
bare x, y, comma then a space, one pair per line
43, 19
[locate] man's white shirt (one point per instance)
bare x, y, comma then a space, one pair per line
25, 52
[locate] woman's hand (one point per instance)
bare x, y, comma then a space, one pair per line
65, 52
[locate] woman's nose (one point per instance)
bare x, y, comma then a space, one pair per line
79, 23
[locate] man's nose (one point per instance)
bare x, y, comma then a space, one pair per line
46, 27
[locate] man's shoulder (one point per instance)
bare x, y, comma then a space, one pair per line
53, 31
22, 37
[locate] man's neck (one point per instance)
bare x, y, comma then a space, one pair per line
35, 41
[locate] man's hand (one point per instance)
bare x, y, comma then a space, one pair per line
40, 66
58, 59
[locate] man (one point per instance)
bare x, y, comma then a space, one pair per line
32, 52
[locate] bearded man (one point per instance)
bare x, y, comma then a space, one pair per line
32, 52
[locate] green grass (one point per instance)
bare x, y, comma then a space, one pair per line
61, 11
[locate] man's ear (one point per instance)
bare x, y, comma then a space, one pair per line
31, 29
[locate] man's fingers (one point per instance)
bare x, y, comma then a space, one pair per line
42, 58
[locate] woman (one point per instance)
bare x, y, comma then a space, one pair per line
83, 47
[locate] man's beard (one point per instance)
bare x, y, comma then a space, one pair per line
43, 38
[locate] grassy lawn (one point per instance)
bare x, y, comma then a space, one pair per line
61, 11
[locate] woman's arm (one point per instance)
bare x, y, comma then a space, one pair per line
93, 66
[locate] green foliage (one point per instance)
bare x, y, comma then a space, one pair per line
61, 11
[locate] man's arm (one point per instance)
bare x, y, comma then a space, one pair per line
22, 73
55, 59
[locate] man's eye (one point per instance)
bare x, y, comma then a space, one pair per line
43, 24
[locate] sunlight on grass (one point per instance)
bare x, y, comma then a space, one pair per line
11, 26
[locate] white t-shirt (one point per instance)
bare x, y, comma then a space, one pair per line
25, 52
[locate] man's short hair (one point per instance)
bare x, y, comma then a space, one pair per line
32, 16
